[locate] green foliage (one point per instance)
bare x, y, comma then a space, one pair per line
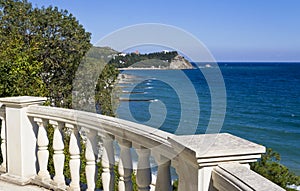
133, 58
117, 177
134, 184
104, 95
175, 185
99, 176
50, 133
18, 69
94, 83
40, 51
66, 137
269, 166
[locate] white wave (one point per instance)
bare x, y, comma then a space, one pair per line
294, 187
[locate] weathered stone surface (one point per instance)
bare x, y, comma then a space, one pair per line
22, 100
217, 145
231, 175
6, 186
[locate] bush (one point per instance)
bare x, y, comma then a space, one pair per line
269, 166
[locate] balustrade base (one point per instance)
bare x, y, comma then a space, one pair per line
48, 184
43, 178
15, 179
3, 169
59, 185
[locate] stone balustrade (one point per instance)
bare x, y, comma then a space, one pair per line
202, 162
3, 138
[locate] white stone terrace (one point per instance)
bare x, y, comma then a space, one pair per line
209, 162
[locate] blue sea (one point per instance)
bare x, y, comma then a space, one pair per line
262, 103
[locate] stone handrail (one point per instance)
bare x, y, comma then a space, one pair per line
196, 158
107, 129
137, 133
234, 177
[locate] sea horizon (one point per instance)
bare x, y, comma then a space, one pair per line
262, 103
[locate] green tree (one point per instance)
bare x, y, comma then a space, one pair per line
40, 51
16, 60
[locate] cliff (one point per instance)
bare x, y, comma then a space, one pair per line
179, 62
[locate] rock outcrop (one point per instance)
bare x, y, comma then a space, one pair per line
180, 62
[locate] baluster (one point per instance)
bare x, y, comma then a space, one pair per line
3, 142
74, 164
143, 175
90, 156
163, 181
3, 145
43, 153
108, 162
58, 156
189, 176
125, 166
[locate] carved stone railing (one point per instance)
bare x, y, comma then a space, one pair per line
3, 138
235, 177
196, 158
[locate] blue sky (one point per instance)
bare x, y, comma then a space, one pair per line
233, 30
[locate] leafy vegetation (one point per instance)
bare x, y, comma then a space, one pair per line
143, 60
269, 166
40, 51
94, 82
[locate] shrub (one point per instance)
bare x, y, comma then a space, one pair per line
269, 166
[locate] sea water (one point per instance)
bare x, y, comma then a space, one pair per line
262, 103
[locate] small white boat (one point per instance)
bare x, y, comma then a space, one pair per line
207, 66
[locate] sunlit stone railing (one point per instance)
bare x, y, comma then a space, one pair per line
196, 158
234, 177
3, 139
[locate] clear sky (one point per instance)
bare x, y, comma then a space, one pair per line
233, 30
